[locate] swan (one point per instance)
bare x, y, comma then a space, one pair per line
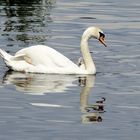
44, 59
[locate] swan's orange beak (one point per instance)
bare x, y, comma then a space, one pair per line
102, 40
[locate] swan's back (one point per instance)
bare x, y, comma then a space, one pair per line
48, 60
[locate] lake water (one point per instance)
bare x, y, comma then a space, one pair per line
68, 107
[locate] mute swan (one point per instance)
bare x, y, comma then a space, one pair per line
43, 59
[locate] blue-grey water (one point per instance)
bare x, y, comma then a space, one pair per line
67, 107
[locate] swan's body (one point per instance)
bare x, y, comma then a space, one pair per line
43, 59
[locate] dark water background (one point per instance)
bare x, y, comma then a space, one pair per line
60, 107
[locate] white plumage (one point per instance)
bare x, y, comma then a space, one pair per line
43, 59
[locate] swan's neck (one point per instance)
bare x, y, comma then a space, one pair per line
89, 64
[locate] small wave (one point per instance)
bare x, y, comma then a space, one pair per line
50, 105
87, 18
129, 107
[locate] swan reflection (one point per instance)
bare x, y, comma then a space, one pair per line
38, 84
91, 112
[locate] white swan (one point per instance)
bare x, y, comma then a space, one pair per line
43, 59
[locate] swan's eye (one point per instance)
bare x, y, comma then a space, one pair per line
102, 35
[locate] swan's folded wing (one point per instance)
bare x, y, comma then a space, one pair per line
43, 55
48, 58
18, 57
22, 57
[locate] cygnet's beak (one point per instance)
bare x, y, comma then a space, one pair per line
102, 40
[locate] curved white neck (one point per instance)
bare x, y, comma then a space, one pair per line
89, 64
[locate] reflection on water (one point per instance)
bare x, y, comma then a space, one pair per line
38, 84
91, 112
25, 20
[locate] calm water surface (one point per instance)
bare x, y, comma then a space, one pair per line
60, 107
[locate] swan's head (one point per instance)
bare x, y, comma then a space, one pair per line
95, 32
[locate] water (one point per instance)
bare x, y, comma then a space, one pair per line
40, 107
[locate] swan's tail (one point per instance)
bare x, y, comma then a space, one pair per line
6, 57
